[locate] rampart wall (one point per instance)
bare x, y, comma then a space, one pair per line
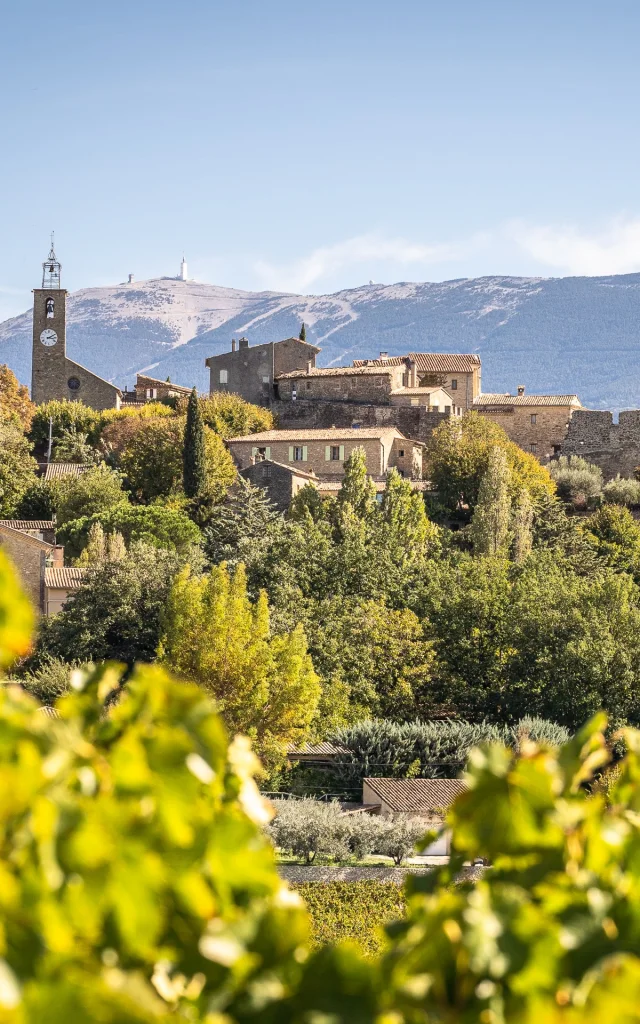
414, 422
615, 447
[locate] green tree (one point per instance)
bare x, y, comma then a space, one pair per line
490, 525
263, 685
159, 526
615, 537
116, 614
522, 527
73, 446
303, 333
380, 655
37, 502
102, 547
357, 488
244, 518
17, 468
229, 415
458, 455
64, 415
194, 474
152, 461
94, 492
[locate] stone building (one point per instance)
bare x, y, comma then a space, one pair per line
250, 371
53, 375
615, 447
537, 423
150, 389
459, 373
30, 544
362, 384
281, 482
324, 452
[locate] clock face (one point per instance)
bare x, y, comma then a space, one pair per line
48, 337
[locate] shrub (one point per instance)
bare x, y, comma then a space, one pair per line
50, 680
428, 750
399, 836
352, 910
309, 827
578, 482
621, 491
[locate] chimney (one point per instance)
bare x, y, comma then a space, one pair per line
309, 365
384, 355
520, 390
243, 343
233, 344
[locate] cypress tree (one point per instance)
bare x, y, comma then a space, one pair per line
194, 466
303, 333
490, 525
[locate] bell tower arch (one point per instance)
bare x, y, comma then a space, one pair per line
48, 360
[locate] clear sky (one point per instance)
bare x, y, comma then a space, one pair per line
314, 146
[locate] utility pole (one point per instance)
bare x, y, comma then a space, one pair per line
50, 439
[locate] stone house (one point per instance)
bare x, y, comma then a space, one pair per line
340, 384
459, 374
150, 389
537, 423
30, 544
324, 452
250, 371
429, 397
281, 482
425, 799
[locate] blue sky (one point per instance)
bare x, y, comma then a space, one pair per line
311, 147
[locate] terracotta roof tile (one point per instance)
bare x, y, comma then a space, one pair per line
64, 577
29, 525
411, 795
484, 400
57, 470
430, 362
333, 434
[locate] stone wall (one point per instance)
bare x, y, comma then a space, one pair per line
539, 429
349, 386
414, 422
615, 447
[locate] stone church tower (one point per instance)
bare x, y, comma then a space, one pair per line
52, 374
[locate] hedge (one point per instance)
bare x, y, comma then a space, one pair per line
352, 910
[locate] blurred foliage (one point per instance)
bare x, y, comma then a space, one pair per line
17, 467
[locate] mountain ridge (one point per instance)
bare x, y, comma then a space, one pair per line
563, 335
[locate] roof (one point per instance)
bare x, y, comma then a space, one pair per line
429, 389
408, 795
337, 371
29, 525
321, 750
430, 362
64, 577
281, 465
141, 378
526, 400
329, 434
220, 355
57, 470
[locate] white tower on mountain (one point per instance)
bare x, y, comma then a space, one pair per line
183, 269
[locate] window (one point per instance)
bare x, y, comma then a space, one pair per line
151, 393
334, 453
533, 447
224, 376
308, 384
454, 384
50, 307
265, 379
534, 418
415, 401
266, 472
401, 453
299, 454
73, 384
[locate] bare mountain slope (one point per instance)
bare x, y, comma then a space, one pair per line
561, 334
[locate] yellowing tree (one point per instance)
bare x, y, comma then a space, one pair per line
263, 685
